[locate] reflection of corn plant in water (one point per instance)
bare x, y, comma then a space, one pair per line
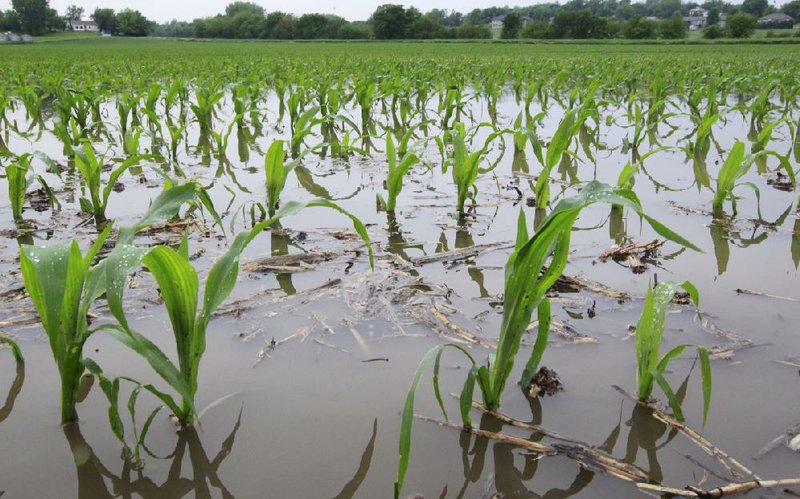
531, 270
649, 335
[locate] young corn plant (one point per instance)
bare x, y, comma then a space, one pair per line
397, 170
20, 178
302, 127
530, 271
466, 165
91, 169
63, 285
204, 108
18, 183
179, 284
736, 165
649, 335
559, 145
277, 171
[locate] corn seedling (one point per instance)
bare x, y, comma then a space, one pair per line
466, 165
204, 108
397, 170
18, 183
91, 169
559, 145
736, 165
180, 289
649, 335
530, 271
301, 128
63, 285
277, 170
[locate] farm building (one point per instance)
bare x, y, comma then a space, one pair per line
777, 20
88, 26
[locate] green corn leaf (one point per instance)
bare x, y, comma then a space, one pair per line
152, 354
407, 417
674, 403
164, 207
465, 399
437, 392
540, 346
15, 350
733, 168
705, 371
275, 173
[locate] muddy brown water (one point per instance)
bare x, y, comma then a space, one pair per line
318, 415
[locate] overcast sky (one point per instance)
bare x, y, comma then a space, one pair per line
186, 10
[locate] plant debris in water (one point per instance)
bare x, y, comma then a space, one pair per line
545, 382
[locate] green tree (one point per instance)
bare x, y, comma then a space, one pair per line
32, 15
756, 8
625, 11
673, 28
468, 30
236, 8
392, 21
664, 9
792, 9
581, 24
639, 28
512, 25
355, 31
279, 26
714, 31
132, 23
245, 25
713, 15
53, 22
426, 28
106, 20
9, 21
536, 30
74, 13
174, 29
741, 25
317, 26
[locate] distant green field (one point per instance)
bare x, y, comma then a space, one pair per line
84, 46
65, 36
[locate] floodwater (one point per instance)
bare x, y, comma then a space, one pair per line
304, 378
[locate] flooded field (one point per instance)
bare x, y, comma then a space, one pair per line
307, 364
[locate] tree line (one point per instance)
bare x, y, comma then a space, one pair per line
581, 19
36, 17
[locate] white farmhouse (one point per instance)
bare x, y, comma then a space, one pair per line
86, 26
